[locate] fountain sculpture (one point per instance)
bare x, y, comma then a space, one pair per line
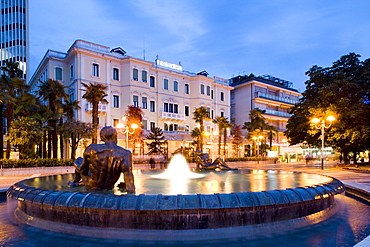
62, 210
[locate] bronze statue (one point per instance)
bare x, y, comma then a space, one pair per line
102, 165
205, 163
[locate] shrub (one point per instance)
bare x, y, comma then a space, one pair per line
26, 163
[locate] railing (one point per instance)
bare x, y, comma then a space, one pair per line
278, 113
170, 115
277, 98
101, 107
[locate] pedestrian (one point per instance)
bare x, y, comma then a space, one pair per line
152, 163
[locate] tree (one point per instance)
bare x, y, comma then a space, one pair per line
24, 134
220, 121
196, 134
134, 115
95, 94
155, 147
74, 131
237, 139
343, 90
10, 82
53, 92
200, 115
226, 126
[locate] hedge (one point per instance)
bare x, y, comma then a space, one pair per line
25, 163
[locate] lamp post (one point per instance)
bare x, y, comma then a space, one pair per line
257, 140
321, 124
127, 131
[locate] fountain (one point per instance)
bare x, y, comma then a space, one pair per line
165, 216
178, 168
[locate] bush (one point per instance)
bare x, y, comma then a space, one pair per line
26, 163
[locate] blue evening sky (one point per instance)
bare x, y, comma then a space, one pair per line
283, 38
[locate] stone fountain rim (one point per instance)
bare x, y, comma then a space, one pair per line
23, 192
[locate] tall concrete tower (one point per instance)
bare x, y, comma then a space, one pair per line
14, 39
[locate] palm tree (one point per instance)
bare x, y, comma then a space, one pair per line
220, 121
10, 82
95, 93
53, 91
226, 125
69, 108
200, 115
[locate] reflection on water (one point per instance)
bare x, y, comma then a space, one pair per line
348, 226
147, 182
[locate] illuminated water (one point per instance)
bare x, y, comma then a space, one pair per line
348, 226
210, 182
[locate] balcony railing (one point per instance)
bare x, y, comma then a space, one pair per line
101, 107
277, 98
278, 113
174, 116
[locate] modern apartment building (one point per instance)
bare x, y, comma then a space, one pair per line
14, 33
166, 92
273, 95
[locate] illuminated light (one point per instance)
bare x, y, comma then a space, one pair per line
315, 120
120, 125
134, 126
330, 118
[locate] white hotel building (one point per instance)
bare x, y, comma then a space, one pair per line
167, 94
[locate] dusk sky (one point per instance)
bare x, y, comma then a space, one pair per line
224, 37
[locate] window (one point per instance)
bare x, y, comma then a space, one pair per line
135, 74
209, 111
152, 81
212, 94
186, 89
115, 101
170, 108
145, 124
115, 74
115, 122
165, 107
212, 114
152, 125
208, 90
144, 76
58, 74
187, 111
222, 96
175, 86
201, 89
152, 106
71, 71
165, 127
176, 108
222, 114
144, 100
135, 100
95, 70
165, 84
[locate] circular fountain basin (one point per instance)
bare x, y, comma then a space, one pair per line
226, 199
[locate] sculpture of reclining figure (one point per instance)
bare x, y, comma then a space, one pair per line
204, 163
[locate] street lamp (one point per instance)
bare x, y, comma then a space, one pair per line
257, 140
127, 131
321, 124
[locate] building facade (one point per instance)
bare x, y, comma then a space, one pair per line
167, 94
272, 95
14, 33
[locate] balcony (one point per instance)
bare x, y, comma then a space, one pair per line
101, 107
172, 116
276, 98
278, 113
